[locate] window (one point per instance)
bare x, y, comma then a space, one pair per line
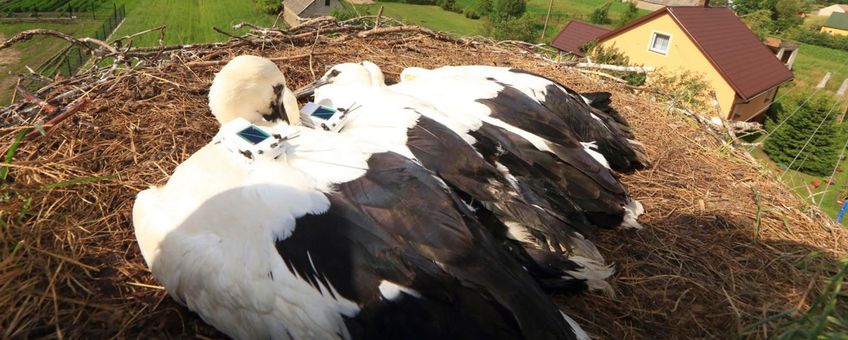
326, 2
659, 43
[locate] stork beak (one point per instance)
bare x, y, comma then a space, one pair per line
309, 90
290, 107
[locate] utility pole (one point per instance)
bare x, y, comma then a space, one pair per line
547, 17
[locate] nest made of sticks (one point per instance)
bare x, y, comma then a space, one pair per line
725, 245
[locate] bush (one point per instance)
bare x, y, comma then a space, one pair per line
803, 114
471, 13
484, 7
269, 6
344, 12
838, 42
448, 5
601, 14
523, 28
506, 10
631, 14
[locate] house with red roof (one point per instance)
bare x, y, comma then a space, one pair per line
711, 42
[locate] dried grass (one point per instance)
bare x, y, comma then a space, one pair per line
702, 267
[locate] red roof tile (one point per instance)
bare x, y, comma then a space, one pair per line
575, 34
736, 52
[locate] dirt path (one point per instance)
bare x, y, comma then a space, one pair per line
8, 58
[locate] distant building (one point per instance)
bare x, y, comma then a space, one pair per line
836, 24
712, 42
827, 11
785, 50
295, 11
575, 34
653, 5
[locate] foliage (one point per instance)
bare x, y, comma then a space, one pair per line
612, 56
269, 6
484, 7
414, 2
759, 22
839, 42
827, 318
448, 5
343, 12
687, 88
523, 28
631, 14
507, 10
804, 114
601, 14
783, 13
471, 13
52, 5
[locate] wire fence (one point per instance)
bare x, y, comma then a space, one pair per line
71, 59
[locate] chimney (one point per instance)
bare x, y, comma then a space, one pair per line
702, 3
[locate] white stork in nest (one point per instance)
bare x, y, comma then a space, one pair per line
326, 235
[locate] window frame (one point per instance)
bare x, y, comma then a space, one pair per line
653, 39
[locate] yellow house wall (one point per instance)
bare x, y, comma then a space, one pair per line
682, 55
833, 31
745, 111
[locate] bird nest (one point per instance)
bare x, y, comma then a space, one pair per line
725, 245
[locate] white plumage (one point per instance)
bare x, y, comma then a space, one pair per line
333, 235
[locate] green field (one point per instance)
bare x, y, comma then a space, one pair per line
438, 19
188, 21
432, 17
36, 51
814, 61
50, 5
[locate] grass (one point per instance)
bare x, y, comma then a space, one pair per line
438, 19
814, 61
187, 21
34, 52
800, 183
430, 16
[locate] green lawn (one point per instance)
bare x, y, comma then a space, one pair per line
801, 183
814, 61
188, 21
36, 51
430, 16
438, 19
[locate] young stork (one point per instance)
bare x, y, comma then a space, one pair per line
588, 116
327, 236
532, 211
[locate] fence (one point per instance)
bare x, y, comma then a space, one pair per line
74, 57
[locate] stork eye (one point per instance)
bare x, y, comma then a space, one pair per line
333, 73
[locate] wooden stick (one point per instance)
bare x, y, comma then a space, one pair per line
379, 15
639, 69
222, 62
53, 123
29, 97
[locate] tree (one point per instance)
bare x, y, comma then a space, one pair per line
523, 28
503, 10
269, 6
601, 14
631, 14
759, 22
786, 14
786, 142
484, 7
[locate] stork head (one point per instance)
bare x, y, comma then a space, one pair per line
364, 74
411, 73
252, 88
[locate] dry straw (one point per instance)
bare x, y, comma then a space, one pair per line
724, 246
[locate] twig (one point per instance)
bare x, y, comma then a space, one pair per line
222, 62
29, 97
379, 15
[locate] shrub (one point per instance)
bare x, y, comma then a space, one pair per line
631, 14
601, 14
506, 10
471, 13
269, 6
484, 7
804, 114
523, 28
344, 12
838, 42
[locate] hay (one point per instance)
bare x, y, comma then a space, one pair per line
724, 245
